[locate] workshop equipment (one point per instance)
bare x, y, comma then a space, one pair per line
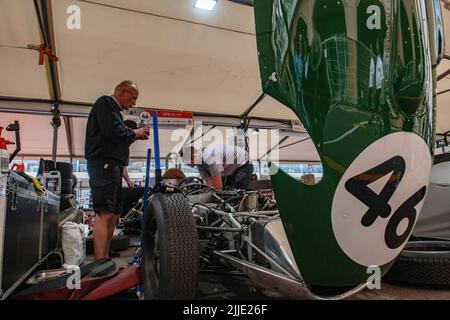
15, 127
4, 155
18, 167
73, 285
52, 181
28, 228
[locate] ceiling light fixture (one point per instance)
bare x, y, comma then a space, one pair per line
205, 4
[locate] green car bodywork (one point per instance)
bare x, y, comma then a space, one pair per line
360, 75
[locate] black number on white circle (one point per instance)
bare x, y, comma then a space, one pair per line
405, 211
378, 204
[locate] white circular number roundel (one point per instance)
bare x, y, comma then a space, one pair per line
379, 198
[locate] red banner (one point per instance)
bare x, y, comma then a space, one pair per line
173, 114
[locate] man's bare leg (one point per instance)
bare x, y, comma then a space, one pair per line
101, 230
114, 222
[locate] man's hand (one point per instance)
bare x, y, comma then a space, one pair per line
126, 177
130, 183
142, 133
216, 182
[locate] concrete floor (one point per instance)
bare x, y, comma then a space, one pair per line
392, 292
213, 287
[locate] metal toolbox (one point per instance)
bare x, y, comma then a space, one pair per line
28, 229
50, 221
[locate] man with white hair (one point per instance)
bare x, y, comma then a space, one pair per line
220, 165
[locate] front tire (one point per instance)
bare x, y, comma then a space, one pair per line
170, 253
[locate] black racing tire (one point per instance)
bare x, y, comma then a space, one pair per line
65, 168
118, 243
64, 204
439, 158
75, 181
170, 252
66, 186
424, 264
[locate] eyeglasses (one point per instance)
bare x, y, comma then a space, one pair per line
133, 96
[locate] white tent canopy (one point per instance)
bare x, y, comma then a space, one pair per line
182, 58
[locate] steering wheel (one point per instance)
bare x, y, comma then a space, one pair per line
190, 180
192, 184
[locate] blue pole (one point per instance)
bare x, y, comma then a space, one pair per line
147, 181
139, 288
156, 147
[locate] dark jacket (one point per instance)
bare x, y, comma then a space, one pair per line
107, 138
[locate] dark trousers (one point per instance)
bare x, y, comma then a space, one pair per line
240, 178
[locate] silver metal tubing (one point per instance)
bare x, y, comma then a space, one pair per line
220, 229
276, 264
224, 202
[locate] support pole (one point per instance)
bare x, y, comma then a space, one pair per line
56, 123
158, 177
147, 183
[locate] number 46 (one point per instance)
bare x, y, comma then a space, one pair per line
378, 203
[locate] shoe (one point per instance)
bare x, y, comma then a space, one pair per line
113, 254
